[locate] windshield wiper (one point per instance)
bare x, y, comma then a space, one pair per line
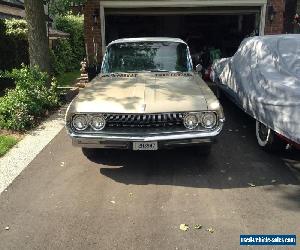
163, 70
158, 70
153, 70
138, 71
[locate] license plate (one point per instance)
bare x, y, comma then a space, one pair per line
145, 146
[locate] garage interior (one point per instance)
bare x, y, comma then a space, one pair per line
204, 30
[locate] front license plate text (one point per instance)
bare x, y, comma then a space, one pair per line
145, 146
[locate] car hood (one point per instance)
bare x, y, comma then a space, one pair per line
142, 93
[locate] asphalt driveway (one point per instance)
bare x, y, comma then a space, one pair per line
102, 199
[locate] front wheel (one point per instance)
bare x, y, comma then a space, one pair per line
267, 138
219, 93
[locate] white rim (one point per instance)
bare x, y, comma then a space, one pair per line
261, 142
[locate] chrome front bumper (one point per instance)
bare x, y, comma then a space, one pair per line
124, 141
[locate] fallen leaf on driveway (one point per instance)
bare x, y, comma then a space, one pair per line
198, 226
210, 230
184, 227
113, 202
251, 185
7, 228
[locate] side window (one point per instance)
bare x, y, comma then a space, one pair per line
289, 53
242, 59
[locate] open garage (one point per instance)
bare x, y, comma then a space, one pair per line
209, 27
202, 31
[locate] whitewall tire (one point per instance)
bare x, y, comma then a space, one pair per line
267, 138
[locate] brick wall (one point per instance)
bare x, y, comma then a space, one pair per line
276, 27
92, 32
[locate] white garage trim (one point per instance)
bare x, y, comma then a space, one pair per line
180, 4
191, 11
263, 20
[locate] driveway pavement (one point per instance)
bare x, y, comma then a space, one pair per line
100, 199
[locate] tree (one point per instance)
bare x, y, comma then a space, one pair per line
62, 7
37, 34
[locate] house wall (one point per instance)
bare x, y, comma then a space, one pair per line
93, 31
277, 26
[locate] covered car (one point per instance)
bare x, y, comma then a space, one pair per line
263, 78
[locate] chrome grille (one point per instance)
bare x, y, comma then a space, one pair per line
144, 120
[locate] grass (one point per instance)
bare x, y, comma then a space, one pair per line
6, 143
68, 78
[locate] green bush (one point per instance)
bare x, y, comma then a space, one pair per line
73, 24
62, 58
16, 28
13, 44
21, 107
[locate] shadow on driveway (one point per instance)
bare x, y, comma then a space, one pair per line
236, 161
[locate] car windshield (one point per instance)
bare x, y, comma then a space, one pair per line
147, 56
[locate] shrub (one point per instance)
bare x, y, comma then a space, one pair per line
16, 28
14, 44
21, 107
62, 58
73, 24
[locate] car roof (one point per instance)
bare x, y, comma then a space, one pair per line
148, 39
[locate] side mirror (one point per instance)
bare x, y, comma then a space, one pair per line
199, 68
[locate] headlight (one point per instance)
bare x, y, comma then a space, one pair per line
209, 120
190, 121
98, 122
80, 122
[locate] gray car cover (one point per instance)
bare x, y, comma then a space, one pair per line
263, 78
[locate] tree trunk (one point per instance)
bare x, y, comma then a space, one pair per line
37, 34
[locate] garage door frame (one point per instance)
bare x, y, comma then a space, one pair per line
180, 4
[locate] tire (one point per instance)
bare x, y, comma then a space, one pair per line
90, 152
267, 138
219, 93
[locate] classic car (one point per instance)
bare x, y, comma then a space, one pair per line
147, 97
263, 79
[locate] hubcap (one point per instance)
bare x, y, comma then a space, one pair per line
263, 132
